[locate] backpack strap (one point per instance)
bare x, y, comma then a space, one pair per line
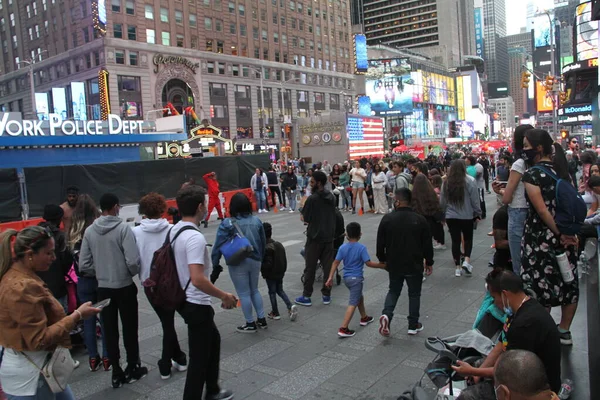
185, 228
547, 172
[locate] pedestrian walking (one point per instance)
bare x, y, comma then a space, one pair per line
213, 196
258, 183
379, 183
289, 186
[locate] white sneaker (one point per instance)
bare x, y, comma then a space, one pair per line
439, 246
293, 313
458, 273
292, 211
468, 268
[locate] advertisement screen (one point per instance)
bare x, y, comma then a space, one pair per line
467, 94
465, 129
390, 87
541, 31
365, 136
437, 89
479, 39
59, 102
102, 11
78, 99
41, 105
417, 78
364, 105
360, 53
586, 31
543, 103
460, 97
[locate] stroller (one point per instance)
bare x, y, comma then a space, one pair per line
319, 272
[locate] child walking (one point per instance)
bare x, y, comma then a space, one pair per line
273, 269
354, 255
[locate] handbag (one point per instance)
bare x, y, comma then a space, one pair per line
237, 247
57, 369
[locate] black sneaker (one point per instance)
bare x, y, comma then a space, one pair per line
180, 363
248, 327
205, 223
165, 369
222, 395
118, 377
413, 330
135, 373
262, 323
565, 337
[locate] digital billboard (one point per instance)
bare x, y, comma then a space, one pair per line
102, 11
389, 86
365, 136
59, 102
436, 89
479, 39
41, 105
360, 54
586, 31
364, 105
465, 129
544, 103
78, 101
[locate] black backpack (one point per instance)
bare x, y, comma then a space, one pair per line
571, 210
162, 286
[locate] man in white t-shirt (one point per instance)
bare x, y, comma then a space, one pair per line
194, 267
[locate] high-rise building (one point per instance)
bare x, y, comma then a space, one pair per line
495, 47
505, 108
519, 47
213, 55
441, 25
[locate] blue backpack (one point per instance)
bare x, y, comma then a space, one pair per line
570, 210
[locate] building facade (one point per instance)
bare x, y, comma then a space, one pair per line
408, 24
505, 108
211, 55
495, 45
519, 47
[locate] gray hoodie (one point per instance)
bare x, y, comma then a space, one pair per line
109, 253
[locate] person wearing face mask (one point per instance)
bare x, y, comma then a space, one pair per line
542, 240
528, 327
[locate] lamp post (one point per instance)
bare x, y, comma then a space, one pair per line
262, 101
552, 70
30, 63
282, 108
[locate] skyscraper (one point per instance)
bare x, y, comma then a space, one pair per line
519, 47
441, 27
496, 62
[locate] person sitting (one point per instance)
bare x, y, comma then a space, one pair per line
520, 375
528, 327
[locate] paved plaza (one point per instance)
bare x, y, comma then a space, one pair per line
305, 359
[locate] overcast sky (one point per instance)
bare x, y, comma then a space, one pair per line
515, 16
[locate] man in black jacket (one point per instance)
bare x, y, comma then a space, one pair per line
319, 213
404, 243
289, 184
54, 277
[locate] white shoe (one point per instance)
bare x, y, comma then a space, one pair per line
293, 313
458, 273
76, 364
468, 268
292, 211
438, 246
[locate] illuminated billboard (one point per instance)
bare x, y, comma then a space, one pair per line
543, 102
435, 88
59, 102
361, 62
586, 31
41, 105
79, 103
389, 85
364, 105
465, 129
479, 39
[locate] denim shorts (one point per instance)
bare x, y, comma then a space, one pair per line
355, 285
358, 185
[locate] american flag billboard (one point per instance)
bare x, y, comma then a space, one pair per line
365, 137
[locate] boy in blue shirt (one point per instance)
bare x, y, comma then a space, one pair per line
355, 256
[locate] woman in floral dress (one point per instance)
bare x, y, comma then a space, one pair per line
542, 240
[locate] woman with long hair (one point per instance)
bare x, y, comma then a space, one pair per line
426, 202
359, 177
369, 187
588, 159
460, 202
379, 183
542, 239
513, 194
334, 178
32, 322
245, 276
84, 215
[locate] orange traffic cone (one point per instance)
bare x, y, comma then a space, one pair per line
275, 209
360, 211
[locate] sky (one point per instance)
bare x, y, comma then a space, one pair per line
515, 16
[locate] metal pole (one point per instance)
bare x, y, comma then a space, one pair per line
262, 103
553, 73
32, 88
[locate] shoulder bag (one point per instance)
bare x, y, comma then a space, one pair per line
57, 369
237, 247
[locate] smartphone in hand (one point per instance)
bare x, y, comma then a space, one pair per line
101, 304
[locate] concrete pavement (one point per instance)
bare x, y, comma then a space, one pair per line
305, 360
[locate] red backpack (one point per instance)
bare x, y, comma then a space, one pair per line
162, 286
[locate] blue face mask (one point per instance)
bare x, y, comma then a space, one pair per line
506, 308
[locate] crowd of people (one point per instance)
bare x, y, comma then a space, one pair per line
78, 267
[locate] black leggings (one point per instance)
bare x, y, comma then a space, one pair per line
460, 228
437, 230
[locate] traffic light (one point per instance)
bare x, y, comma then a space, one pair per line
525, 79
564, 134
563, 98
549, 83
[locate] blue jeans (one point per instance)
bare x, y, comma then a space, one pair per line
44, 393
245, 280
87, 290
276, 288
414, 283
516, 225
261, 199
291, 197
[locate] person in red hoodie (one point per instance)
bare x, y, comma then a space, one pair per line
213, 196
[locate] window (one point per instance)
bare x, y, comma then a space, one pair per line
209, 45
243, 30
265, 54
129, 7
30, 33
149, 11
133, 58
318, 30
220, 111
294, 23
282, 20
84, 9
178, 17
231, 7
150, 36
219, 46
263, 15
166, 38
194, 42
12, 19
284, 39
131, 33
256, 52
292, 6
208, 23
164, 15
254, 13
311, 44
235, 70
241, 10
85, 31
219, 25
233, 28
319, 97
221, 68
28, 8
192, 20
301, 25
275, 37
275, 18
255, 33
128, 83
242, 92
210, 67
309, 11
264, 35
180, 40
301, 43
277, 55
299, 7
120, 56
116, 5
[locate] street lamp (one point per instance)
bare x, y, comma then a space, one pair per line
30, 63
552, 68
282, 105
262, 100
